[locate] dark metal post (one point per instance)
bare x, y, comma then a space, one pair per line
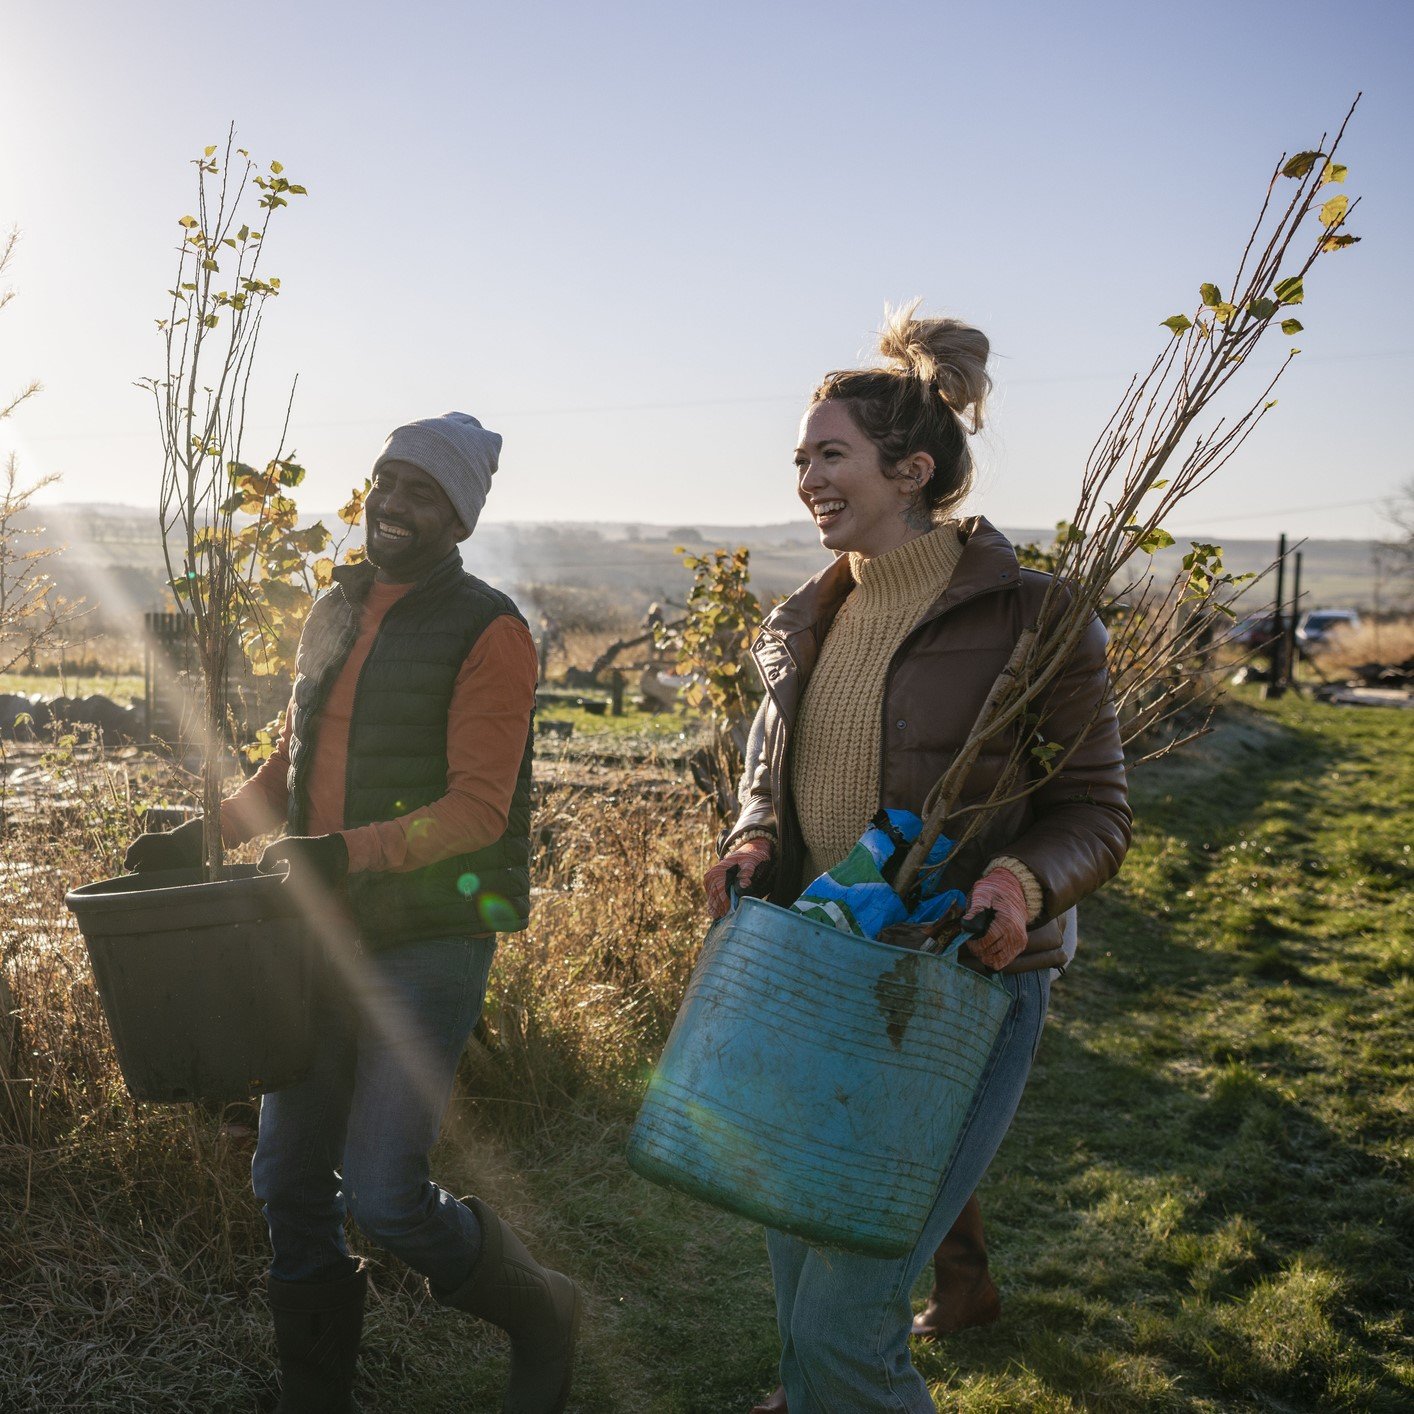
616, 693
1276, 649
1292, 651
1379, 560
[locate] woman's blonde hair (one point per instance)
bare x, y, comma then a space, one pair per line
928, 398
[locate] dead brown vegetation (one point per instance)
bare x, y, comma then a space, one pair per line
130, 1246
1390, 641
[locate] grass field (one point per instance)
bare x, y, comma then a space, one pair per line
593, 729
121, 687
1205, 1202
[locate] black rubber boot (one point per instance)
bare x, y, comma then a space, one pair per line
317, 1330
536, 1307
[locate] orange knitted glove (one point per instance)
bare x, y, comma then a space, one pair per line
746, 859
1001, 890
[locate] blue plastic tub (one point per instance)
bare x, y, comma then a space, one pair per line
817, 1082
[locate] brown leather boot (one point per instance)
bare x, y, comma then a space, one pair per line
964, 1293
774, 1403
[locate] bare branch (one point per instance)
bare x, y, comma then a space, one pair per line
1153, 443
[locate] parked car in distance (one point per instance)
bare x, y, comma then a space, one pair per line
1253, 633
1315, 628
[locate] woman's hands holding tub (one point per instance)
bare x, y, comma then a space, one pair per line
1000, 890
751, 859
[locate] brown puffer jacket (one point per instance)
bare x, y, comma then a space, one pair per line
1071, 832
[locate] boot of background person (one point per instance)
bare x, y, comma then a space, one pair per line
317, 1329
538, 1308
963, 1292
774, 1403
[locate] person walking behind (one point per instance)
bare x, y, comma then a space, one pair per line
874, 672
401, 782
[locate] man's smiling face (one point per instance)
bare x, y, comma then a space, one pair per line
411, 523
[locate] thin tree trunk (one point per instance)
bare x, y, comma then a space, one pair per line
213, 745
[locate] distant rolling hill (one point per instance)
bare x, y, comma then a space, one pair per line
113, 558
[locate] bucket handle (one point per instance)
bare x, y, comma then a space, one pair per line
733, 893
973, 927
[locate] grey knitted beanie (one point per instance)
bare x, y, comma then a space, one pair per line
456, 451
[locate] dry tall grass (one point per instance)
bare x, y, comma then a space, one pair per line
120, 1221
580, 1004
131, 1249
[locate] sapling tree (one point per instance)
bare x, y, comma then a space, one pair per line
1165, 439
210, 334
7, 255
32, 616
1396, 552
712, 646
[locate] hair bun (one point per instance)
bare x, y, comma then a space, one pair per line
946, 353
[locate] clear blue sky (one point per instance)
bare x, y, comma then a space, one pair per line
630, 237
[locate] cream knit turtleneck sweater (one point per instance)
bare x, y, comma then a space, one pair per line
835, 757
835, 762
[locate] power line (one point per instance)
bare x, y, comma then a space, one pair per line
1293, 510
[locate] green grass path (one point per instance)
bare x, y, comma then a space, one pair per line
1206, 1200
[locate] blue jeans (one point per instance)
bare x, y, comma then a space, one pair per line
353, 1136
844, 1319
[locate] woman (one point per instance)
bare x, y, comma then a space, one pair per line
875, 671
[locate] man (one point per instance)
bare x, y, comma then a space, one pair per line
402, 784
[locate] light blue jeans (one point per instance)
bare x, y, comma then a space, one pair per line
844, 1319
353, 1136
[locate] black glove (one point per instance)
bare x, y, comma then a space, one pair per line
175, 849
321, 857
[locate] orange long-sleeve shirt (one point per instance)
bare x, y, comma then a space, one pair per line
487, 724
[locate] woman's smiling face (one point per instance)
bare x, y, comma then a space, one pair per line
839, 477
